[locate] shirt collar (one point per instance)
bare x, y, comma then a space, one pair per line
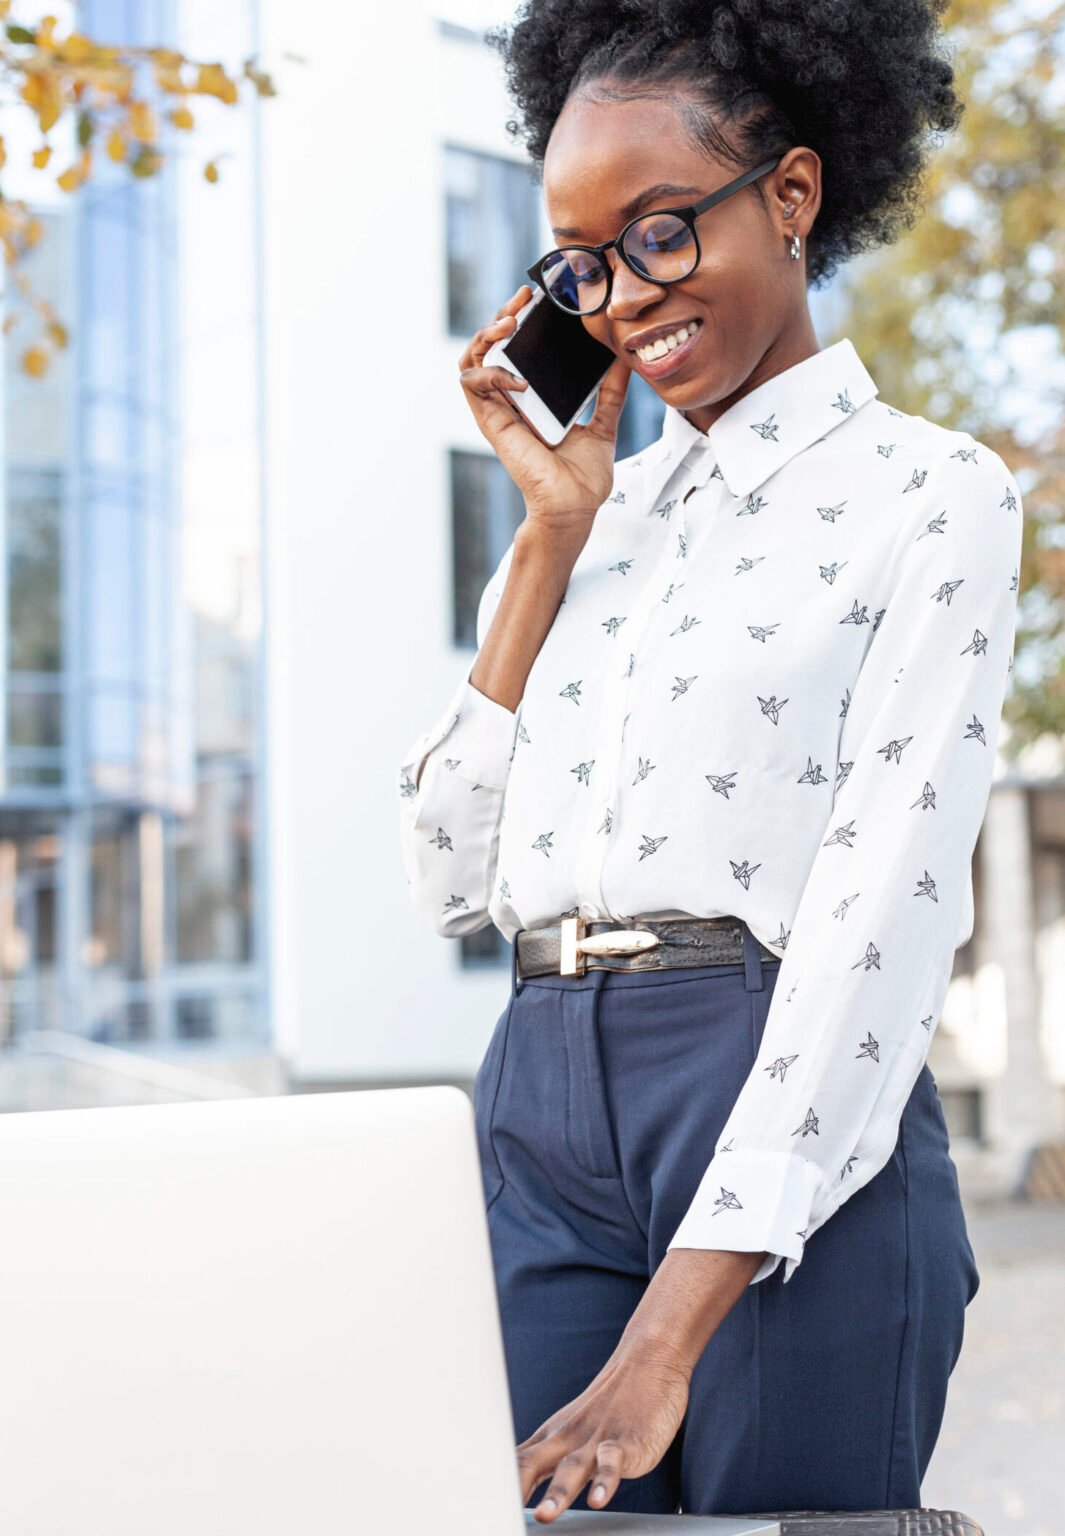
772, 423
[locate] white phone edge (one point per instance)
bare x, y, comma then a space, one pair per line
527, 401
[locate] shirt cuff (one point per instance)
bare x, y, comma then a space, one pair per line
747, 1201
480, 735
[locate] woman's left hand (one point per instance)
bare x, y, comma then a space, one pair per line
620, 1426
625, 1421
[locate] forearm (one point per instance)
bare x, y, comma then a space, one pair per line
692, 1290
540, 569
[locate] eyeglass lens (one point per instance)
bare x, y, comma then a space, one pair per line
661, 247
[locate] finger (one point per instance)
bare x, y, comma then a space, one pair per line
609, 1459
571, 1474
610, 400
516, 301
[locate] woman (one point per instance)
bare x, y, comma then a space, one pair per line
737, 699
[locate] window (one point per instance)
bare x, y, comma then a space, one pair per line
486, 508
493, 234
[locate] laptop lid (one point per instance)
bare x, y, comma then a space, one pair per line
268, 1315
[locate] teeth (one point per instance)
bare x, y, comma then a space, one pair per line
666, 344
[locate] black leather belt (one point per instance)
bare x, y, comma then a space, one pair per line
577, 944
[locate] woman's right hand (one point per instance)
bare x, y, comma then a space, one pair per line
562, 486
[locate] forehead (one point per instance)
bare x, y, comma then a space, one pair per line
601, 153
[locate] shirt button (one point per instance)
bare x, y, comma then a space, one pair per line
589, 909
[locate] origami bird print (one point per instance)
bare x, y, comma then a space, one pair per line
644, 768
926, 887
543, 843
571, 691
870, 960
743, 872
455, 904
1009, 501
886, 449
607, 821
583, 771
916, 480
830, 572
760, 631
935, 525
809, 1125
927, 1021
619, 497
441, 840
967, 455
621, 565
523, 734
747, 564
926, 799
978, 644
894, 749
841, 909
842, 835
754, 504
685, 624
632, 663
869, 1047
832, 514
975, 729
721, 783
781, 940
613, 624
847, 1165
771, 706
728, 1145
767, 430
857, 614
504, 888
682, 685
674, 586
726, 1201
842, 402
842, 775
682, 546
649, 845
407, 787
946, 590
665, 509
813, 775
779, 1067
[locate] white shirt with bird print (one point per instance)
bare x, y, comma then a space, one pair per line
772, 690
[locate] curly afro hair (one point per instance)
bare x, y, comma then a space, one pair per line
859, 81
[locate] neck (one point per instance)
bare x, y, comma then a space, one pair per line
794, 347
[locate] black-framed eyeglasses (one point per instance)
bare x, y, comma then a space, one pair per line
661, 246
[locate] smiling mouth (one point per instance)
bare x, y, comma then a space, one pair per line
663, 345
661, 358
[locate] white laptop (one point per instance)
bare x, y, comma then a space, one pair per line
271, 1317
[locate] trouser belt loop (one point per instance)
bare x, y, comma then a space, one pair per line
752, 961
516, 983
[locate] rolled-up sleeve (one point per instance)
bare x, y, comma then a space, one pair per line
452, 780
870, 952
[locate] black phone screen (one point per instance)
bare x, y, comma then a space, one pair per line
558, 357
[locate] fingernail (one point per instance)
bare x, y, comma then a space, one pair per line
598, 1491
547, 1503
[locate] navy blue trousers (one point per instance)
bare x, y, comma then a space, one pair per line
598, 1104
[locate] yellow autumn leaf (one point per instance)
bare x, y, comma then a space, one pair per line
35, 361
10, 321
75, 47
33, 232
142, 123
42, 156
59, 333
212, 80
210, 171
116, 144
181, 117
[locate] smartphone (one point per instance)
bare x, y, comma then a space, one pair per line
562, 365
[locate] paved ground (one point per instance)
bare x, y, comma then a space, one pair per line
1001, 1453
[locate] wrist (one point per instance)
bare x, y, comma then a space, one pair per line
691, 1292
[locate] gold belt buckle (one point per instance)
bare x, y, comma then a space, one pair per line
576, 943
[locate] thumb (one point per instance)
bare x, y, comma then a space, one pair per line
611, 398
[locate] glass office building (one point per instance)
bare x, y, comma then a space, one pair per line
130, 759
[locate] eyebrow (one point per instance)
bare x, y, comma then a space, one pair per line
633, 206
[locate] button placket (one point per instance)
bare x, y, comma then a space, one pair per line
614, 710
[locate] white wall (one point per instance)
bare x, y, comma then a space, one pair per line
363, 403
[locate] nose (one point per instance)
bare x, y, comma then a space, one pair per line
630, 294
